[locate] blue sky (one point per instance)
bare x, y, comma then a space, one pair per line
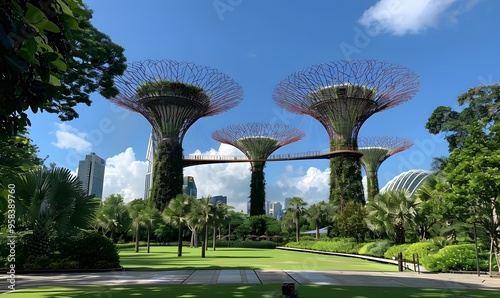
451, 45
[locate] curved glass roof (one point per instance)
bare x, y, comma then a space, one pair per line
410, 181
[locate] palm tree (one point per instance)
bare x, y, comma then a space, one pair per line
392, 212
135, 208
220, 215
51, 202
150, 218
113, 216
201, 212
317, 215
296, 207
176, 213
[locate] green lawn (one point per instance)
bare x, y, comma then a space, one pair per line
269, 291
165, 258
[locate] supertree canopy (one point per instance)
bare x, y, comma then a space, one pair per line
375, 151
257, 141
172, 95
341, 96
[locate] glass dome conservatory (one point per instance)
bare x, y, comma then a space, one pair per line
410, 181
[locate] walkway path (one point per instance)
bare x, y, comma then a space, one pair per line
339, 278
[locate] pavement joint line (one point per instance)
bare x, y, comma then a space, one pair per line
215, 277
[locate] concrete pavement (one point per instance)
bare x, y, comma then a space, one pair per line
247, 276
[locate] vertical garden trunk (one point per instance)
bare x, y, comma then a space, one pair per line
257, 189
345, 181
167, 173
372, 184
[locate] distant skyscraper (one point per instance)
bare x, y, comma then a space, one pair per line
91, 174
248, 207
150, 153
275, 210
215, 199
268, 207
189, 187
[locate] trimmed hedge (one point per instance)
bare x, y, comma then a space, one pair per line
266, 244
337, 245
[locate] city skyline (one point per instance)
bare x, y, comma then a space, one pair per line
91, 173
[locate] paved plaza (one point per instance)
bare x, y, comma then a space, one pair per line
248, 276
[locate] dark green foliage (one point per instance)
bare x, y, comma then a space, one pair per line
167, 173
90, 249
393, 251
460, 257
23, 240
37, 263
51, 58
351, 222
345, 181
257, 189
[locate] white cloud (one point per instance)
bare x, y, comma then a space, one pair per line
125, 175
229, 179
70, 138
312, 185
400, 17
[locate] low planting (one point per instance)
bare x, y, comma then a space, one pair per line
86, 250
339, 245
461, 257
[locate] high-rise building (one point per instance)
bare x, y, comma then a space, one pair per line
216, 199
189, 187
150, 153
268, 207
91, 174
275, 210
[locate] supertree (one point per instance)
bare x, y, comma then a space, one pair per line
375, 151
341, 96
257, 141
172, 95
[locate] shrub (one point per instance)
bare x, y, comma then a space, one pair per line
307, 238
37, 263
22, 246
393, 251
375, 248
64, 263
88, 248
460, 257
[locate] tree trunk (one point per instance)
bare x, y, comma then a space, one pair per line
137, 239
297, 228
148, 241
317, 231
204, 245
213, 244
179, 241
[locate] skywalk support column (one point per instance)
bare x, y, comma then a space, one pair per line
172, 96
257, 141
342, 96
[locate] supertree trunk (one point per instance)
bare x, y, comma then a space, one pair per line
372, 184
257, 189
345, 180
167, 173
